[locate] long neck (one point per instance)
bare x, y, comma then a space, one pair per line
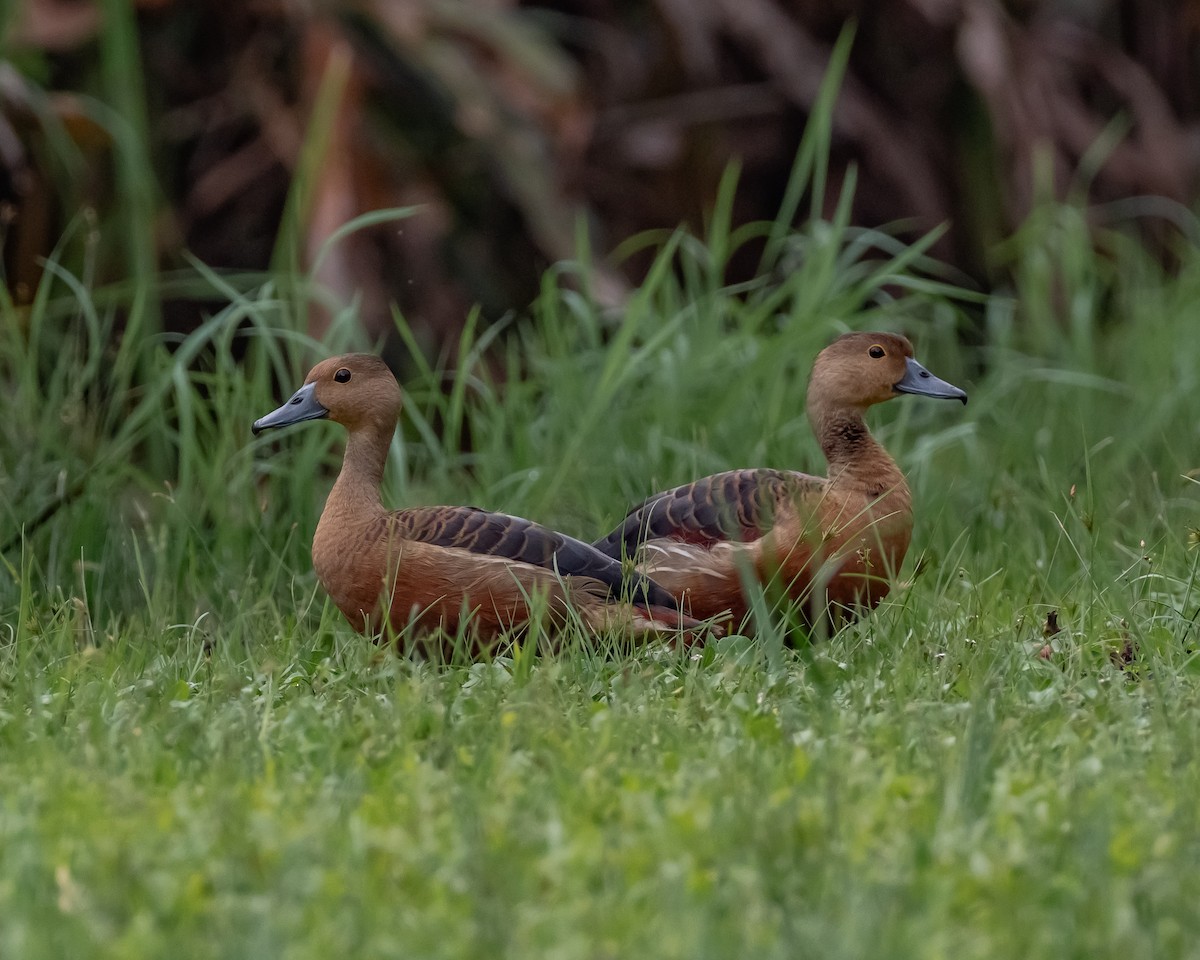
856, 459
355, 494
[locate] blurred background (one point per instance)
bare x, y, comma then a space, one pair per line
247, 133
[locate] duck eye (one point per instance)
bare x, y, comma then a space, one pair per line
877, 352
342, 375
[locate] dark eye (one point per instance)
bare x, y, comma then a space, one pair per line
342, 375
877, 352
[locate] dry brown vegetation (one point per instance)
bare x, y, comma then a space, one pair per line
512, 124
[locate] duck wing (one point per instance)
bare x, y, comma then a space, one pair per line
736, 506
523, 541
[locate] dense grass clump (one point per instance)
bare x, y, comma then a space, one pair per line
198, 758
201, 759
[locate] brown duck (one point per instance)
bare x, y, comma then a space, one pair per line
446, 567
832, 544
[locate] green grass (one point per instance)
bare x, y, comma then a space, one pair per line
198, 758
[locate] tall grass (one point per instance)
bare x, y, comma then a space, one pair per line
198, 758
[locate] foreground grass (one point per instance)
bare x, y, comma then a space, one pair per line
901, 793
197, 758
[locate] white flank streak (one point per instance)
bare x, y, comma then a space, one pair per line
657, 569
663, 557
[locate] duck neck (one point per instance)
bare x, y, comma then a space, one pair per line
355, 494
856, 459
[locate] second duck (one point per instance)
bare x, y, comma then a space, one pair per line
447, 569
831, 543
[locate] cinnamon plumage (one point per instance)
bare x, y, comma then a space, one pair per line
449, 567
832, 544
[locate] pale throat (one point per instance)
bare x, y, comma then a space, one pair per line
356, 490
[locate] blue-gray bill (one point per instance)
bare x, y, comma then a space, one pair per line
303, 406
920, 381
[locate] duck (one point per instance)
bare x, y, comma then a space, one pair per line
459, 571
832, 544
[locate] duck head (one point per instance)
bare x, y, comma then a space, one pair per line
356, 390
858, 370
